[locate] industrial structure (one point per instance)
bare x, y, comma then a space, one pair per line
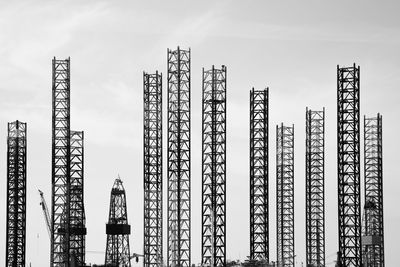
118, 229
348, 143
373, 236
16, 194
179, 208
259, 175
67, 210
213, 252
285, 195
315, 188
152, 150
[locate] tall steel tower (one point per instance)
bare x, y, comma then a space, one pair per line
214, 168
285, 195
16, 194
315, 188
259, 228
152, 84
117, 228
372, 239
61, 164
348, 127
179, 254
77, 208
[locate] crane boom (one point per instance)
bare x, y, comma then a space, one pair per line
45, 212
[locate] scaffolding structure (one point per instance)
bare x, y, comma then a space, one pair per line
117, 228
259, 220
16, 195
152, 84
77, 208
61, 163
179, 253
315, 188
348, 131
285, 195
214, 168
373, 235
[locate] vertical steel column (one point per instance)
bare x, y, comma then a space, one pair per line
285, 195
315, 188
259, 221
61, 163
152, 84
117, 228
179, 254
16, 194
77, 207
349, 208
373, 237
214, 168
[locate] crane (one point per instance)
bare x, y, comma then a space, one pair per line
45, 212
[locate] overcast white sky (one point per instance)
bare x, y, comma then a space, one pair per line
291, 46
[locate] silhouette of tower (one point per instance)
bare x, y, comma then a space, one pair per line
179, 158
259, 228
153, 252
214, 168
117, 228
315, 190
285, 195
16, 194
348, 127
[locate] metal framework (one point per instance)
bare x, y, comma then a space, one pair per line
179, 253
117, 228
372, 239
214, 168
285, 195
315, 188
16, 194
77, 208
348, 131
259, 220
61, 163
152, 84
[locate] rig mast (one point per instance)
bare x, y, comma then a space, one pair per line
153, 252
117, 228
179, 253
259, 221
16, 194
214, 168
372, 239
61, 164
348, 130
315, 188
285, 195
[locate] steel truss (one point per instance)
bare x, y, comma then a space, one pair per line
61, 163
315, 188
179, 253
152, 169
259, 221
214, 168
348, 127
77, 208
16, 194
117, 228
285, 195
372, 240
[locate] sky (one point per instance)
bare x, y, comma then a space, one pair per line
292, 47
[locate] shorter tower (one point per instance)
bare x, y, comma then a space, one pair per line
16, 194
117, 228
213, 251
372, 237
285, 195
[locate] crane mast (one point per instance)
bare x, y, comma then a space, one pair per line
46, 213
